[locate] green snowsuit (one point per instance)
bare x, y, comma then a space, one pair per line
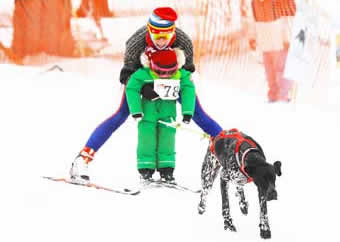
156, 141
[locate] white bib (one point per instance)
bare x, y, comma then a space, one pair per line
167, 89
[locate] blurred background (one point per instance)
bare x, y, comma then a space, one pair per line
232, 38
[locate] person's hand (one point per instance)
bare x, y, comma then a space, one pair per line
137, 116
187, 118
148, 92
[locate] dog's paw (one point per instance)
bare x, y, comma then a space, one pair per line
228, 225
265, 234
244, 207
200, 209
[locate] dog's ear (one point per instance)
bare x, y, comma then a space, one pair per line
277, 168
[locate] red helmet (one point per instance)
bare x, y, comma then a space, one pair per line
164, 63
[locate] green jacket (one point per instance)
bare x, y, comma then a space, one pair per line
159, 109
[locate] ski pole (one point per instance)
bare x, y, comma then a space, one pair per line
177, 125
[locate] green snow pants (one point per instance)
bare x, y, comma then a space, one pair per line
156, 145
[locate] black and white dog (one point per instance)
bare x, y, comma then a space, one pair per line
242, 161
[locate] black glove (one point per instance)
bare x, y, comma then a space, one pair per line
125, 74
187, 118
190, 68
137, 116
148, 92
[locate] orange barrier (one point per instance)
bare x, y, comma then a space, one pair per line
219, 29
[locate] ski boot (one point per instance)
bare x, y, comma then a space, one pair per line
79, 170
166, 175
146, 176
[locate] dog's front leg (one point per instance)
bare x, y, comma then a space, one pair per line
209, 171
242, 200
264, 222
228, 222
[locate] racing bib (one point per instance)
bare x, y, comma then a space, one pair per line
167, 89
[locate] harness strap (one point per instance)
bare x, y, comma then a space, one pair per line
241, 163
235, 134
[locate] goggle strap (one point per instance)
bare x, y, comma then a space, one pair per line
155, 67
168, 29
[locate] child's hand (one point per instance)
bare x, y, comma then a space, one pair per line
137, 116
187, 118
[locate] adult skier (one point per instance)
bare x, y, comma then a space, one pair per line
159, 33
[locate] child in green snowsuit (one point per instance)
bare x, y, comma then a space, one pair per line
156, 140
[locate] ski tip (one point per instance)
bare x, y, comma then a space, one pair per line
131, 192
54, 178
47, 177
135, 193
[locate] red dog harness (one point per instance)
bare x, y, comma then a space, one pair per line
235, 134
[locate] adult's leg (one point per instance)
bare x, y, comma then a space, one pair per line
285, 84
204, 121
269, 66
106, 128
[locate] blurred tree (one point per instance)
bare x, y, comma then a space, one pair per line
95, 8
42, 26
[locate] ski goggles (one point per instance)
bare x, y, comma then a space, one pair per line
159, 33
167, 36
164, 72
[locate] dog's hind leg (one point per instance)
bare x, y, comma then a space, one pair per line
209, 172
265, 232
228, 222
242, 200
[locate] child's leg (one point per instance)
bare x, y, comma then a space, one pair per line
146, 148
101, 134
166, 146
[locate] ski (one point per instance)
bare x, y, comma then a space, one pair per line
124, 191
161, 184
178, 187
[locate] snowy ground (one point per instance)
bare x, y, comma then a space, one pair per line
47, 118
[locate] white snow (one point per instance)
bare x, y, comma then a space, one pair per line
46, 119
